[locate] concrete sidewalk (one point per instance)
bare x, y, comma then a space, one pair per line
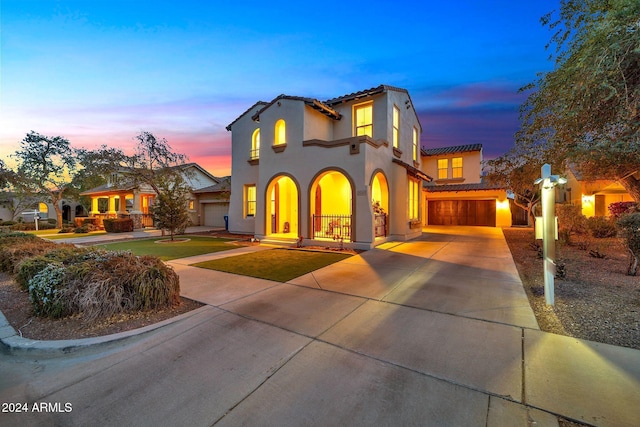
137, 234
435, 331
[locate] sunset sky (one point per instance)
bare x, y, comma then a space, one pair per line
99, 72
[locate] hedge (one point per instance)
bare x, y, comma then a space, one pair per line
120, 225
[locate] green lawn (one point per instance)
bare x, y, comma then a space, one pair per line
57, 236
280, 265
197, 245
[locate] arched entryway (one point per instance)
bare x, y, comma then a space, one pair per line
380, 204
282, 208
331, 197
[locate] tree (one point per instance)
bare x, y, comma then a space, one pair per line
45, 165
587, 110
170, 208
154, 163
517, 172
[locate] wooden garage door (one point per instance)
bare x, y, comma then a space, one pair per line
462, 212
214, 214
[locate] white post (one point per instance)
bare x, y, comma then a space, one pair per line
549, 232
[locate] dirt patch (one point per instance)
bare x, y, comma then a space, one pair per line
596, 300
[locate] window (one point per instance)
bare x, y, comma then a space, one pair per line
415, 144
281, 133
443, 166
192, 205
255, 145
456, 167
364, 120
250, 201
396, 126
414, 199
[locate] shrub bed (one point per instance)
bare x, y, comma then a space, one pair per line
64, 280
120, 225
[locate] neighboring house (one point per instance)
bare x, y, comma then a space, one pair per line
593, 196
346, 169
457, 195
213, 203
121, 198
12, 208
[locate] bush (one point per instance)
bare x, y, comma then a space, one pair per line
46, 292
601, 227
120, 225
82, 230
52, 221
570, 221
620, 208
630, 227
12, 255
9, 223
66, 230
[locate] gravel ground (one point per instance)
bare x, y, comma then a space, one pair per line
596, 300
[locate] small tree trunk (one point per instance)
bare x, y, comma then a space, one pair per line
633, 263
632, 185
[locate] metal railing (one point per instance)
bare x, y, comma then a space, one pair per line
254, 154
332, 227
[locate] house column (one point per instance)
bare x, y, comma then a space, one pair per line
94, 206
122, 205
136, 212
112, 205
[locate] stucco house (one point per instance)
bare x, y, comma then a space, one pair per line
346, 169
458, 195
594, 196
120, 198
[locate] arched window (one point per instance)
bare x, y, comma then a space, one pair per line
281, 133
255, 145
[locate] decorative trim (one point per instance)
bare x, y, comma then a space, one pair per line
397, 152
345, 141
279, 148
449, 181
253, 162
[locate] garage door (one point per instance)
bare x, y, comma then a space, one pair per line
462, 212
214, 214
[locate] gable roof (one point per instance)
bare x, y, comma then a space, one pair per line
311, 102
223, 185
451, 150
242, 115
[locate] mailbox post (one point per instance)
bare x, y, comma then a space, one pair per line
549, 233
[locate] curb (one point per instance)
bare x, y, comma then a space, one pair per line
14, 344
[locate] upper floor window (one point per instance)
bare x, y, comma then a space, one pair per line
192, 205
456, 167
443, 168
364, 119
415, 144
281, 133
396, 126
255, 144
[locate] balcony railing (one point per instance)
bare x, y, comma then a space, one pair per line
332, 227
254, 154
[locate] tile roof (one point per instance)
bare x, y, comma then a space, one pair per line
246, 111
363, 94
478, 186
451, 150
311, 102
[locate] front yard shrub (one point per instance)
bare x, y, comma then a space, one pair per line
64, 280
630, 227
601, 227
120, 225
570, 221
46, 292
618, 209
12, 255
83, 229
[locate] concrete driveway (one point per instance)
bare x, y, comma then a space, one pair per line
436, 331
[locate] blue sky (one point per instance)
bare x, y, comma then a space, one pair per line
99, 72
